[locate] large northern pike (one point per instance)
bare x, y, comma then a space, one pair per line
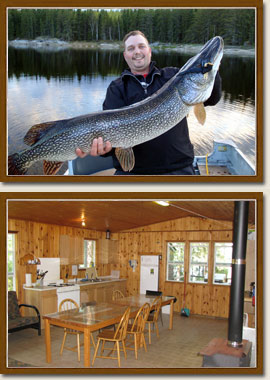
55, 142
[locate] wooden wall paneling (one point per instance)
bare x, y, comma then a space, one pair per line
133, 247
206, 300
222, 235
220, 302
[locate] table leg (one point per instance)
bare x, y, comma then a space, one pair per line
87, 347
171, 315
48, 340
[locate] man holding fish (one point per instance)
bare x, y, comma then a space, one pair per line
168, 154
143, 123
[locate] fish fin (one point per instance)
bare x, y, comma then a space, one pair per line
126, 158
14, 167
51, 167
36, 132
200, 113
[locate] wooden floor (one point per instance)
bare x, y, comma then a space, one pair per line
177, 348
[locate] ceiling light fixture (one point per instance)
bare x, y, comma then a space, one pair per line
83, 223
162, 203
108, 234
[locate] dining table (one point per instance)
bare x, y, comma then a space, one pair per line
140, 299
92, 317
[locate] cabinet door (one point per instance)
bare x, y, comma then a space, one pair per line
78, 249
108, 251
100, 295
71, 250
64, 249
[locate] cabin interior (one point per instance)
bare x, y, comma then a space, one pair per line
192, 239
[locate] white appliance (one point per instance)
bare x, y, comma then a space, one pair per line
52, 265
149, 273
72, 291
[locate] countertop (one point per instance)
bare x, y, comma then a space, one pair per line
103, 280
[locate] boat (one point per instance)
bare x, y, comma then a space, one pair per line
225, 159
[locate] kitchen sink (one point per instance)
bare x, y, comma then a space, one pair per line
94, 280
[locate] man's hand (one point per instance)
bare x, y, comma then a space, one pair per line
97, 149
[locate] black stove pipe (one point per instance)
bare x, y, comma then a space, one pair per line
240, 230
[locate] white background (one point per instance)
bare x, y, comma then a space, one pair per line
265, 188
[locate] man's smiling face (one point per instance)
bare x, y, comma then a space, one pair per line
137, 54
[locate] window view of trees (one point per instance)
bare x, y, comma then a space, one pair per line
198, 262
223, 262
89, 254
198, 267
175, 261
11, 262
236, 26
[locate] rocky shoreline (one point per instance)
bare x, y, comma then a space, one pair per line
56, 44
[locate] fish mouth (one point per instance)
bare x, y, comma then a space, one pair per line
207, 59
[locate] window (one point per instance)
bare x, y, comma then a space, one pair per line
11, 261
198, 268
175, 261
223, 263
89, 254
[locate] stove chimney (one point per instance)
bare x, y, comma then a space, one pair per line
240, 230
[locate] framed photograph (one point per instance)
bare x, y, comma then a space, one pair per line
65, 84
201, 253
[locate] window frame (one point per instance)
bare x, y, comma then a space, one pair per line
85, 265
174, 262
191, 264
221, 264
13, 251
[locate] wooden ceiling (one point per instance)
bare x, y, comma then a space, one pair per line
119, 215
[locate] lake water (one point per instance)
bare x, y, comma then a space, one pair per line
53, 85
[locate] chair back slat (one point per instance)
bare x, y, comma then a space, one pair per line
155, 307
121, 330
117, 294
141, 318
68, 304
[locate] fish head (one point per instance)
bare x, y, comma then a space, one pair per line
196, 78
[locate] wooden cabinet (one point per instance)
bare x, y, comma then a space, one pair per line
71, 250
45, 301
108, 251
101, 292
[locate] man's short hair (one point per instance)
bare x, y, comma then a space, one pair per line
134, 33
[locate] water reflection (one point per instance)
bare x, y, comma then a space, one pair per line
238, 74
45, 86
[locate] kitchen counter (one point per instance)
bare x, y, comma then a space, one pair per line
80, 283
45, 297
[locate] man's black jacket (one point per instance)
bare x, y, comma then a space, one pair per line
169, 151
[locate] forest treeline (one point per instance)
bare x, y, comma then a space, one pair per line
236, 26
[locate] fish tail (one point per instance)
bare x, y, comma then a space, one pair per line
15, 166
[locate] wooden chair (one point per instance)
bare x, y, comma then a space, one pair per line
155, 293
153, 317
117, 294
65, 305
116, 337
135, 331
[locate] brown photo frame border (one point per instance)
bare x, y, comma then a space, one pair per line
258, 4
252, 196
